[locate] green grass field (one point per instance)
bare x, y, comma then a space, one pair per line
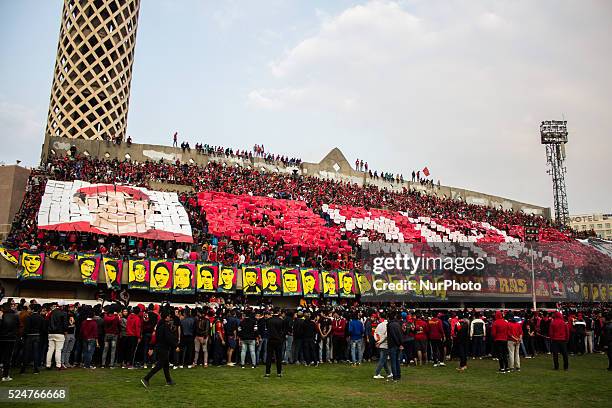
587, 383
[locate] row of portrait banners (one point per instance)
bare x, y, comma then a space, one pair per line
189, 277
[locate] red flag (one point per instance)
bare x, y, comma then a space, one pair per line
426, 171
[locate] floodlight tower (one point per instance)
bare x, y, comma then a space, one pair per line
554, 136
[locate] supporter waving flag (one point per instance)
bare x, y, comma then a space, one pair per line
31, 265
89, 267
138, 274
113, 270
184, 278
207, 277
160, 280
291, 282
227, 279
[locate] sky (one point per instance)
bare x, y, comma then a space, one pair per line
458, 86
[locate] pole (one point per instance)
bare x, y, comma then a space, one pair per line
533, 293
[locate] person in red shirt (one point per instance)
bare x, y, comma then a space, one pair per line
89, 334
435, 333
339, 338
499, 332
218, 340
111, 334
420, 339
515, 334
559, 335
133, 333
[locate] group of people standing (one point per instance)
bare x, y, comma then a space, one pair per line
164, 337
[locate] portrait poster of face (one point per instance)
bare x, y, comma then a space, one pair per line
184, 278
110, 209
89, 268
251, 280
207, 277
271, 279
311, 282
364, 282
160, 276
227, 279
292, 282
330, 284
10, 255
31, 265
113, 270
63, 256
138, 274
346, 281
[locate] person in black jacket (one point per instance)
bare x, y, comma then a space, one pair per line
276, 335
33, 327
58, 327
249, 337
288, 344
9, 325
394, 341
165, 341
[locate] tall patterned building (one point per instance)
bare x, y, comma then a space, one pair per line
93, 69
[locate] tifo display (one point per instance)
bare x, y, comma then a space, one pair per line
113, 209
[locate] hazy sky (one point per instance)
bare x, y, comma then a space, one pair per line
458, 86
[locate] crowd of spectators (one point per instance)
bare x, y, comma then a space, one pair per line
237, 180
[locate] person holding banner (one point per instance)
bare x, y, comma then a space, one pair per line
164, 342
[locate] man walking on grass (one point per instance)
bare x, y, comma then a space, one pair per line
165, 341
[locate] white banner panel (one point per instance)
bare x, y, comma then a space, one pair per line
110, 209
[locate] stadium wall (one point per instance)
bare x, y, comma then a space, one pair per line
13, 182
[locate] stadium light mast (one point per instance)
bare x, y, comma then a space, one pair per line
553, 135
